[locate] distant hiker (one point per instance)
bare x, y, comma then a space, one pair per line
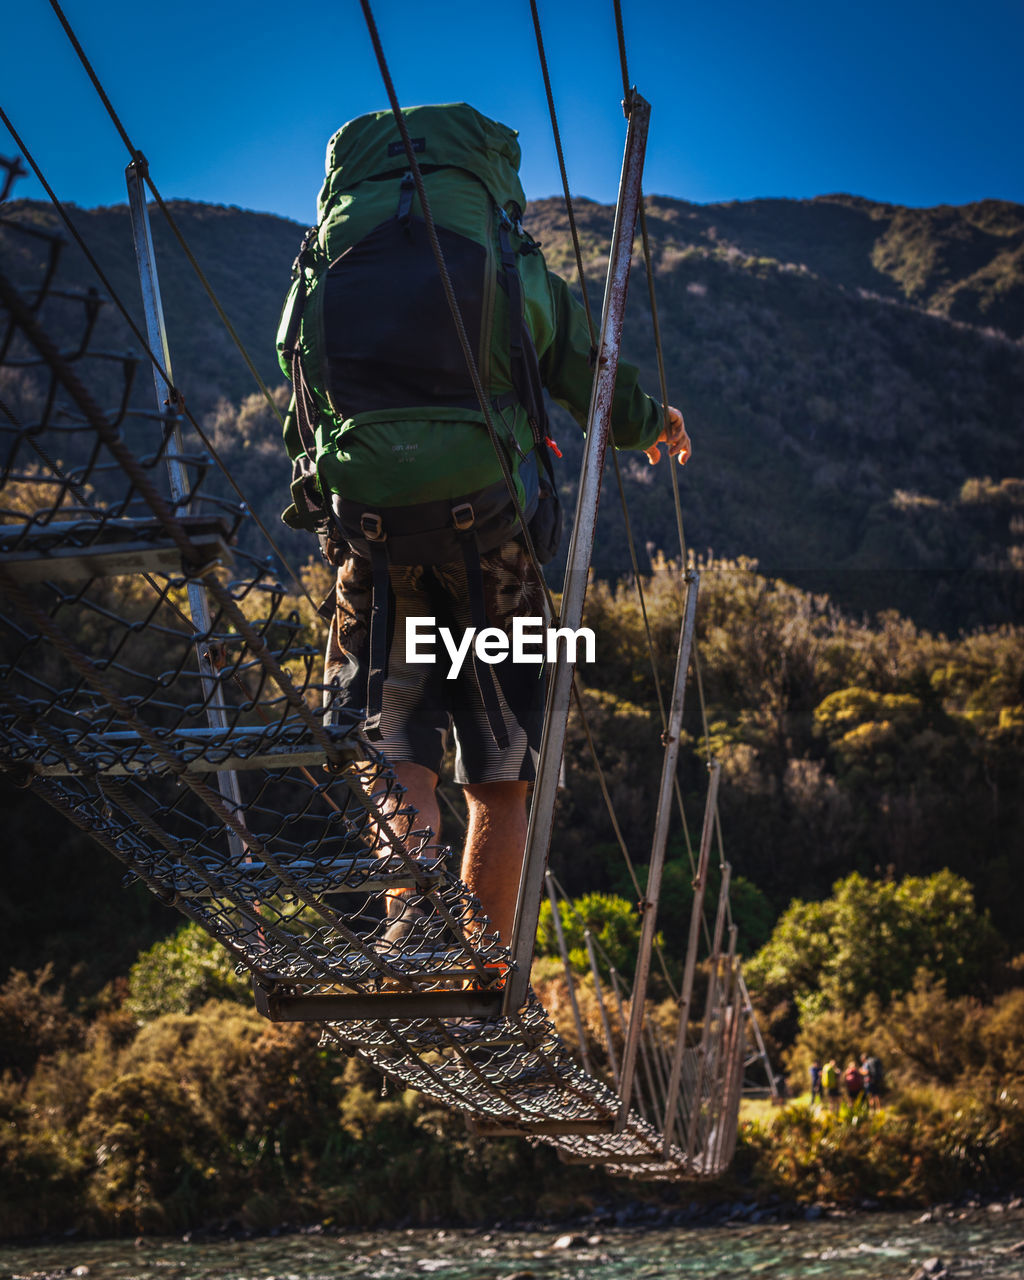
874, 1085
830, 1083
817, 1094
396, 470
853, 1082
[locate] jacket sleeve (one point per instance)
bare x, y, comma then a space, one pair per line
569, 375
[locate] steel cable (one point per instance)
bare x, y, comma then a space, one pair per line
143, 341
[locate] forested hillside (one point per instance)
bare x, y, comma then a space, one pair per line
852, 375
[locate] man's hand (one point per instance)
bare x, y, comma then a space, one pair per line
674, 437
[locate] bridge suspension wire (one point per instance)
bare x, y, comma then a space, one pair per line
570, 977
659, 839
585, 294
630, 540
677, 505
660, 356
664, 398
524, 932
557, 136
143, 341
139, 159
581, 542
471, 363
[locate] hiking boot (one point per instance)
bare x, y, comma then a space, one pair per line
413, 932
421, 945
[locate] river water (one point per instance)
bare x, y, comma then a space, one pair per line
876, 1246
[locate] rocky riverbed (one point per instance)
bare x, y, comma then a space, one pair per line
963, 1241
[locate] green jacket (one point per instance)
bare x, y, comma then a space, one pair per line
560, 331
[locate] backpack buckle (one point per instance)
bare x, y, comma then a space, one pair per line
406, 191
463, 517
372, 526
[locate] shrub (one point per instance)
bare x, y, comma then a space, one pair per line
34, 1022
145, 1135
932, 1144
180, 974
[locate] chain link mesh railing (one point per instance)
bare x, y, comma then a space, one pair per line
120, 713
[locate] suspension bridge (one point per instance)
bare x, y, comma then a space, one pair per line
212, 776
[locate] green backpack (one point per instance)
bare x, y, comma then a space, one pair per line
387, 431
387, 437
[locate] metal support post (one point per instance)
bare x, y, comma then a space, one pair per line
759, 1038
652, 1092
659, 842
156, 331
703, 1065
538, 838
718, 1063
599, 992
641, 1102
652, 1050
731, 1080
570, 981
686, 990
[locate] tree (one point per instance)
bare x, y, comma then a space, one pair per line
613, 922
871, 938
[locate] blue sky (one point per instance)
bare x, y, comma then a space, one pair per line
908, 102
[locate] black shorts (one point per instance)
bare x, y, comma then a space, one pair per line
421, 705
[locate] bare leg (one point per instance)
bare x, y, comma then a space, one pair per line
495, 844
421, 793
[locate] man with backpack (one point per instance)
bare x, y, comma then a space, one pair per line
398, 468
817, 1091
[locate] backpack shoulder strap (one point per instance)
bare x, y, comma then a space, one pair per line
486, 680
525, 367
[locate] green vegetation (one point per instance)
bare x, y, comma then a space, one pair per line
216, 1115
852, 377
851, 373
180, 974
844, 745
870, 939
612, 921
927, 1145
912, 973
158, 1099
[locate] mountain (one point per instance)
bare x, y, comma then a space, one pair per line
852, 375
